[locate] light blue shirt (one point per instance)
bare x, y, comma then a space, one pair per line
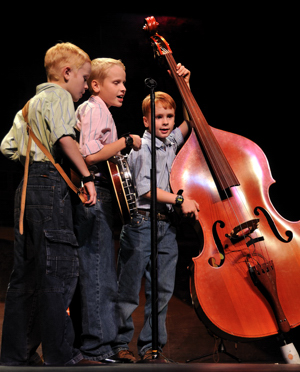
140, 164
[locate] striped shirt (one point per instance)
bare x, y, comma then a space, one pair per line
140, 164
96, 124
51, 116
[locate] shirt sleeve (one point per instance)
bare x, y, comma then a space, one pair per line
97, 128
60, 116
140, 166
16, 139
176, 137
9, 146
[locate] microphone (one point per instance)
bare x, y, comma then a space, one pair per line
150, 83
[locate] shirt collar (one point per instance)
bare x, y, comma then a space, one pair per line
45, 86
158, 143
100, 101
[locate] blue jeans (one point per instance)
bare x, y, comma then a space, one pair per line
98, 277
134, 262
44, 276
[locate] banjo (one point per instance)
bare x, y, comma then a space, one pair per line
124, 188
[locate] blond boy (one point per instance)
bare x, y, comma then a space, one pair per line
45, 257
94, 226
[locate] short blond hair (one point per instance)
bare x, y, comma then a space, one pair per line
100, 68
61, 55
160, 97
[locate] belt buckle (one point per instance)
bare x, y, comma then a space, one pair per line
161, 217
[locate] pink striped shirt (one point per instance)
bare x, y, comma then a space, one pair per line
96, 124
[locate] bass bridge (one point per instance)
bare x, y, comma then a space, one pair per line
244, 231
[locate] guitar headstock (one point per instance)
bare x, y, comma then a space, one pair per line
159, 44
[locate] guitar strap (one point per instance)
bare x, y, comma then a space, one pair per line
78, 191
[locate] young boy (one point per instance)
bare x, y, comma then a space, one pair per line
94, 225
135, 242
45, 256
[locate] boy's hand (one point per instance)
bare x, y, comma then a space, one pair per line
184, 72
137, 142
190, 208
70, 148
89, 188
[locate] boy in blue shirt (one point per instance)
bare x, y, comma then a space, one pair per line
135, 242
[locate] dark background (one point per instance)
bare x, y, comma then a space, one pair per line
244, 62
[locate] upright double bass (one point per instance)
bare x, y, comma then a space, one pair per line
246, 278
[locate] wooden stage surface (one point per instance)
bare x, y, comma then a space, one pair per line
188, 338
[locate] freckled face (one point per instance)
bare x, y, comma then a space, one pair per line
164, 121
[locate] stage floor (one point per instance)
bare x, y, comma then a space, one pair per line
188, 338
195, 367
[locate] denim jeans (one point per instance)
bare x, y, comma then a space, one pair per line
44, 276
98, 277
134, 262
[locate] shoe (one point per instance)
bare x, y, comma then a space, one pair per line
109, 360
37, 363
125, 356
147, 358
87, 362
36, 360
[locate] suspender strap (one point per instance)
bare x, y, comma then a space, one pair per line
33, 137
57, 166
24, 187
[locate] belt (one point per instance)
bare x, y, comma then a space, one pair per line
159, 216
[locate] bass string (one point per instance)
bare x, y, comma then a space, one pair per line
216, 158
209, 144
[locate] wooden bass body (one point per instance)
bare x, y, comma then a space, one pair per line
224, 292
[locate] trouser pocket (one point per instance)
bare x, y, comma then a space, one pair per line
62, 256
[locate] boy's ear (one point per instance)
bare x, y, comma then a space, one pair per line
95, 86
145, 120
66, 73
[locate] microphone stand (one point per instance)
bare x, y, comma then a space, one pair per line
151, 84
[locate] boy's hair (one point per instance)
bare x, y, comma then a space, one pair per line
160, 97
100, 68
61, 55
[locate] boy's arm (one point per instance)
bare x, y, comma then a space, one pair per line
184, 127
94, 151
112, 149
9, 146
70, 148
186, 74
16, 138
188, 207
